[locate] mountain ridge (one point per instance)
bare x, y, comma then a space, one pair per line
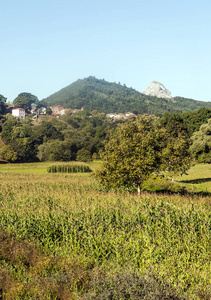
99, 94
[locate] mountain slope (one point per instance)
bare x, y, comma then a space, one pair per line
92, 93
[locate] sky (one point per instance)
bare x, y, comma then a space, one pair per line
48, 44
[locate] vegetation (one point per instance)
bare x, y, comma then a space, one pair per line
176, 156
95, 94
201, 147
132, 153
69, 168
78, 136
2, 105
143, 146
25, 100
64, 237
195, 119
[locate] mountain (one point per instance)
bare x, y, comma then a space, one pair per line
157, 89
97, 94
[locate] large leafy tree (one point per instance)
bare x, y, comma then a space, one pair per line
25, 100
21, 145
143, 146
132, 153
201, 147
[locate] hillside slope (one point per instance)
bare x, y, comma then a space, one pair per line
92, 93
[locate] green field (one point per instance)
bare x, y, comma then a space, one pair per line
198, 178
64, 237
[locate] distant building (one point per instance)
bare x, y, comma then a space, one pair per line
19, 113
130, 115
33, 110
57, 110
42, 111
111, 116
120, 116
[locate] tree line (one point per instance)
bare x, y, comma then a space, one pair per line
80, 136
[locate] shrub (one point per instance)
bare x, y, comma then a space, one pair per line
205, 158
130, 285
158, 184
84, 155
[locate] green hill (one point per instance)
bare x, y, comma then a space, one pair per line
92, 93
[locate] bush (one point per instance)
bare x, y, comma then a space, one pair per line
84, 155
205, 158
130, 285
160, 184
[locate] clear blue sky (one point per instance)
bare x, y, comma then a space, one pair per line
48, 44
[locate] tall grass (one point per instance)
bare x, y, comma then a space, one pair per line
73, 168
71, 219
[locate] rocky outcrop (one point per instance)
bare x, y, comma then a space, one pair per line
158, 89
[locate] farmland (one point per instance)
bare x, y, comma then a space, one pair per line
64, 237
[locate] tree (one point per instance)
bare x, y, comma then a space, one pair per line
22, 144
84, 155
56, 151
132, 153
25, 100
46, 131
201, 147
2, 98
2, 104
194, 119
7, 153
176, 156
7, 129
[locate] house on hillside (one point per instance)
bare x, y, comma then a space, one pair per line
57, 110
77, 110
111, 116
42, 111
130, 114
19, 113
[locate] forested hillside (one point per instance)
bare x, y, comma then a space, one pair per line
92, 93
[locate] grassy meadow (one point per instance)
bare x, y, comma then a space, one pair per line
64, 237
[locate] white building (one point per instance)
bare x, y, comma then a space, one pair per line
19, 113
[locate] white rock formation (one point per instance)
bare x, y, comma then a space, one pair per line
157, 89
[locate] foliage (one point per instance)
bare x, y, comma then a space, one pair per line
58, 151
201, 147
84, 155
92, 93
46, 131
73, 168
58, 139
195, 119
25, 100
159, 184
176, 155
7, 153
2, 105
21, 144
128, 284
132, 154
144, 146
27, 273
